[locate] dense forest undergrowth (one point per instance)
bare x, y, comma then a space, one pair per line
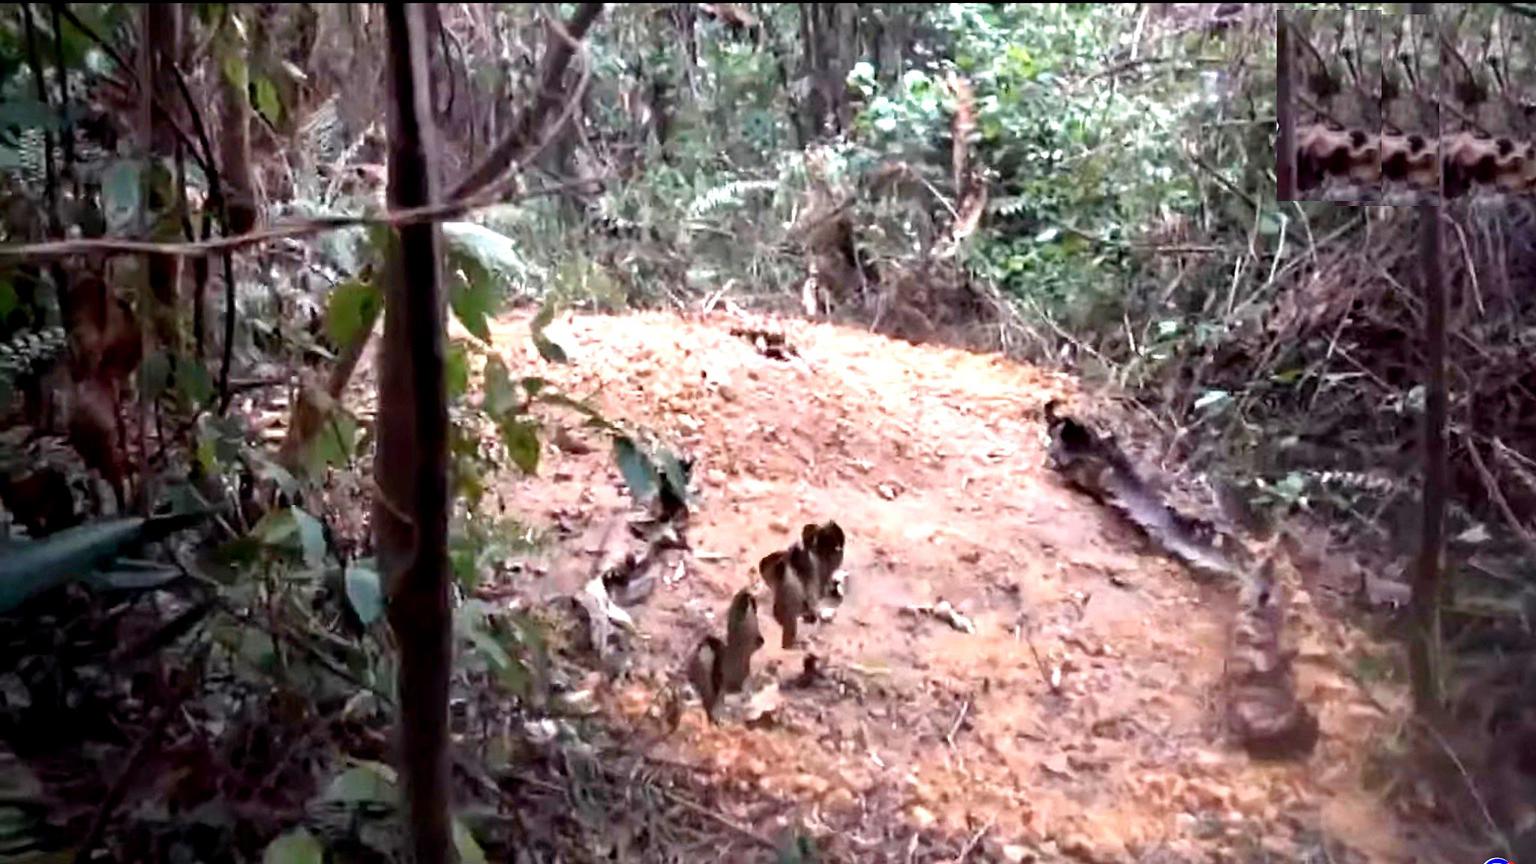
395, 402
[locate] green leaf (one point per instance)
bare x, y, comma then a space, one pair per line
470, 624
473, 301
31, 568
353, 308
311, 537
292, 528
296, 847
335, 442
464, 843
365, 783
276, 528
235, 71
269, 471
121, 193
267, 101
547, 349
472, 247
456, 370
24, 113
364, 592
639, 474
521, 438
155, 375
193, 383
500, 395
207, 454
533, 385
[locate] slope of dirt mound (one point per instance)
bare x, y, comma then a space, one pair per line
1078, 720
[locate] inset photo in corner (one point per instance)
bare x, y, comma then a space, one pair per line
1487, 150
1336, 92
1410, 110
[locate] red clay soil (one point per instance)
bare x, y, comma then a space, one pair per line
932, 460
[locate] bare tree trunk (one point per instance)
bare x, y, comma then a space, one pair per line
235, 143
162, 35
1285, 115
411, 511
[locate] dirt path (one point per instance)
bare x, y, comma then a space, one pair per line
932, 461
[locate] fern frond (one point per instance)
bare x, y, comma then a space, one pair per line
731, 194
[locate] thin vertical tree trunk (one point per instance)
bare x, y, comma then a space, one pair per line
162, 33
1285, 115
235, 139
411, 511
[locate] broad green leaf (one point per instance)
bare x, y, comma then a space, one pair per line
269, 471
365, 783
121, 193
547, 349
296, 847
470, 624
235, 71
471, 246
364, 592
456, 371
473, 300
464, 843
267, 101
353, 308
500, 395
24, 113
335, 442
194, 383
31, 568
155, 375
276, 528
639, 474
533, 385
311, 537
207, 454
521, 438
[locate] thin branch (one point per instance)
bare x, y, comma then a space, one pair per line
74, 21
1498, 498
509, 150
221, 206
303, 228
